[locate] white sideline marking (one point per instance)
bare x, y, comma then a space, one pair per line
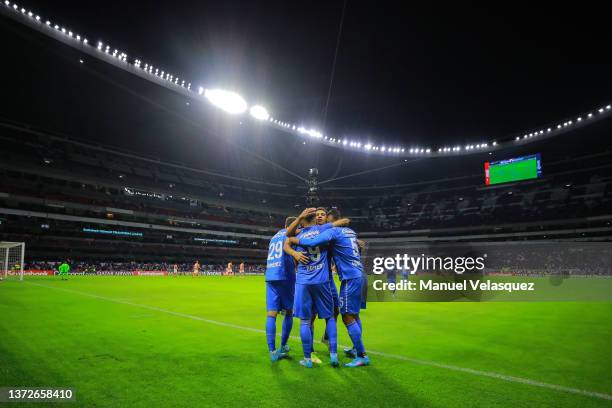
489, 374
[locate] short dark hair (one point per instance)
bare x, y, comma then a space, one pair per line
322, 209
310, 217
334, 212
289, 220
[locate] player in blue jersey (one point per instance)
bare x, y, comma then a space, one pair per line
322, 221
343, 243
313, 295
280, 285
333, 215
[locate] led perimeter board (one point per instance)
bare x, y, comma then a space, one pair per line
516, 169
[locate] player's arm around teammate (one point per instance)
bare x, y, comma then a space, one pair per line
293, 227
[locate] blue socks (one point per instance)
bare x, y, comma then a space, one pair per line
354, 332
271, 332
287, 326
332, 332
306, 335
358, 320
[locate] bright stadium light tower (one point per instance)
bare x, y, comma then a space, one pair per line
228, 101
259, 112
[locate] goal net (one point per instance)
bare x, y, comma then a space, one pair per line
11, 260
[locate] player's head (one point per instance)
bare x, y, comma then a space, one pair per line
333, 215
321, 215
310, 220
288, 221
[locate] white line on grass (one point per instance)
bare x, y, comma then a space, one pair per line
377, 353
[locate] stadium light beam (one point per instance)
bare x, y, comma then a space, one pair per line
228, 101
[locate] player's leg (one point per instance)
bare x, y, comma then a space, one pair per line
351, 352
334, 290
315, 357
303, 310
350, 295
287, 298
273, 304
324, 307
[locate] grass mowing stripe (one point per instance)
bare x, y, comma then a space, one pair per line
489, 374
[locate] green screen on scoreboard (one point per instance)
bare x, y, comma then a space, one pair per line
516, 169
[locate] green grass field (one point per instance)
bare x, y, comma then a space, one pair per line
179, 341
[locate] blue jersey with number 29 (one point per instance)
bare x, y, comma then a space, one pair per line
280, 266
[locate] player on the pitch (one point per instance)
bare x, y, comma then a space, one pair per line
63, 270
325, 222
241, 269
196, 269
345, 252
333, 215
280, 289
322, 219
313, 294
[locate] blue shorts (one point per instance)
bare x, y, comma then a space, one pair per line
313, 299
364, 291
279, 295
350, 295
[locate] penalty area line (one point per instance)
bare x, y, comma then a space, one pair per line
509, 378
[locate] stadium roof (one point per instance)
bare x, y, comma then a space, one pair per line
427, 76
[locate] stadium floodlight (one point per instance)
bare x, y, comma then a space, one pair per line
259, 112
601, 110
228, 101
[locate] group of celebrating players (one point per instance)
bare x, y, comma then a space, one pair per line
299, 281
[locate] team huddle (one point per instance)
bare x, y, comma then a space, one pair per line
299, 281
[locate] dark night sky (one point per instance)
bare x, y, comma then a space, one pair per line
416, 74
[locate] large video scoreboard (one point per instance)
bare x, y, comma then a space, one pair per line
516, 169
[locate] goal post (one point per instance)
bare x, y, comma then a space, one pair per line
11, 259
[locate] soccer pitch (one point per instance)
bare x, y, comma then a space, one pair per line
182, 341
